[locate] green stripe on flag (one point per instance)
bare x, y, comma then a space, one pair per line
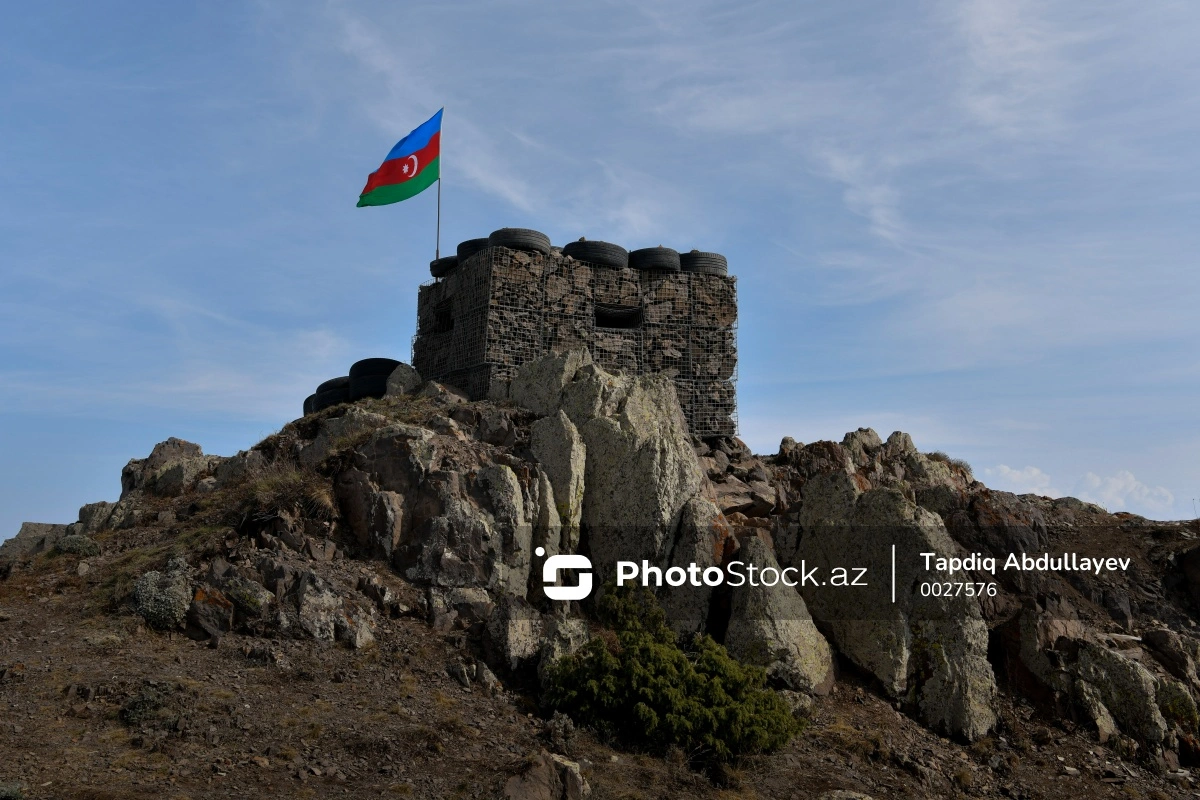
396, 192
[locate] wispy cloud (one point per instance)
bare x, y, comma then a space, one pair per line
1026, 480
1124, 492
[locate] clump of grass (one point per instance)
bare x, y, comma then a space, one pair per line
286, 489
955, 463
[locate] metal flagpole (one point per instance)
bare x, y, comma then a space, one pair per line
437, 247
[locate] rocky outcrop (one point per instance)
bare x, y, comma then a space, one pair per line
770, 626
172, 468
930, 652
33, 538
1125, 689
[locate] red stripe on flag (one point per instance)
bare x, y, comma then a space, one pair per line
399, 170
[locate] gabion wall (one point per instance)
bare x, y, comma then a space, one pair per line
501, 308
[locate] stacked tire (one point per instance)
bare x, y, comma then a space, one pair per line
441, 267
330, 393
520, 239
368, 378
704, 263
655, 259
469, 248
602, 254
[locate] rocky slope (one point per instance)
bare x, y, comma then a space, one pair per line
356, 604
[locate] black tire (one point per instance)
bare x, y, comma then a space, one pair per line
308, 404
372, 366
441, 267
602, 254
368, 386
324, 400
705, 263
662, 259
470, 247
520, 239
334, 383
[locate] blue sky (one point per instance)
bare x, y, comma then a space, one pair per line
973, 221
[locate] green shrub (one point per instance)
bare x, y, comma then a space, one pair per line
636, 683
11, 791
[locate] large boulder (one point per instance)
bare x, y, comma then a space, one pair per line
930, 652
770, 626
403, 380
640, 470
538, 384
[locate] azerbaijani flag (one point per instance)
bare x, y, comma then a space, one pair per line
411, 167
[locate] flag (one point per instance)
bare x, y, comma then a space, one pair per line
409, 169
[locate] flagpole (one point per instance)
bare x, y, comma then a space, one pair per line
437, 247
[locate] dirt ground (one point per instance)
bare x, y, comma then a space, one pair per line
93, 705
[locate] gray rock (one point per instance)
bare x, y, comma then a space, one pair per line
403, 380
548, 777
640, 470
1088, 699
558, 447
238, 468
770, 626
354, 630
863, 445
163, 598
513, 635
337, 433
844, 794
538, 385
33, 538
172, 468
441, 394
1125, 688
318, 608
929, 651
77, 544
94, 517
702, 532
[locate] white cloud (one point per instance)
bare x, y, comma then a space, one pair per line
1124, 492
1019, 74
1027, 480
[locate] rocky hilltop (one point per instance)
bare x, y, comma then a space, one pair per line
356, 604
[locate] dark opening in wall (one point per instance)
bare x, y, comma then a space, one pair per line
614, 316
443, 317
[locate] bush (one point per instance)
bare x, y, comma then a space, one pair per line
641, 687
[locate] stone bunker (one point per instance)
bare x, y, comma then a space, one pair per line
512, 298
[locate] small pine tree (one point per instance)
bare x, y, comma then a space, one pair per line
636, 683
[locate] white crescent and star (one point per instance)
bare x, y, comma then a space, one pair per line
413, 171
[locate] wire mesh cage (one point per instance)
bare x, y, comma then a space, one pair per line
501, 308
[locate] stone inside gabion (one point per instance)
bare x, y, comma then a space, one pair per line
502, 308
